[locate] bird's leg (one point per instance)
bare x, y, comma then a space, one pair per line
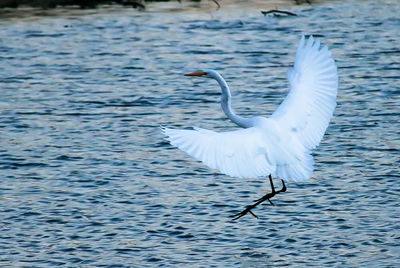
272, 189
259, 201
283, 187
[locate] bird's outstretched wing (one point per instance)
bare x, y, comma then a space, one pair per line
308, 108
241, 153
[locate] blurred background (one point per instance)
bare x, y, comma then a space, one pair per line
88, 181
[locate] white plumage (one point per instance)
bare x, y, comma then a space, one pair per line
280, 145
309, 106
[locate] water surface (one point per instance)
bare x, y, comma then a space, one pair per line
87, 180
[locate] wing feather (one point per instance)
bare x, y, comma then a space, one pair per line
239, 153
308, 108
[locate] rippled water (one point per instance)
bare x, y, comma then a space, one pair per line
87, 180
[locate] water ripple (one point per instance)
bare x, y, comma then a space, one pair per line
88, 181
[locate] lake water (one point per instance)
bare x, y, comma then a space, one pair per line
88, 181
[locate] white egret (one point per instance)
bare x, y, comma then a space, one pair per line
278, 146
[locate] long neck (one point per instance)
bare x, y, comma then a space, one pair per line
226, 104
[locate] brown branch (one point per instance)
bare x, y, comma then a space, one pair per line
216, 2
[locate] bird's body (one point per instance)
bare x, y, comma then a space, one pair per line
278, 146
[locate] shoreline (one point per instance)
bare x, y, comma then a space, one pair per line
137, 4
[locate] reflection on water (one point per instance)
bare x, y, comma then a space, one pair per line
87, 179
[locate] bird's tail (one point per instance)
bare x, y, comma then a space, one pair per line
300, 170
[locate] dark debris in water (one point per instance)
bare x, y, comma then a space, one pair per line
278, 13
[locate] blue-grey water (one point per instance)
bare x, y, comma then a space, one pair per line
86, 179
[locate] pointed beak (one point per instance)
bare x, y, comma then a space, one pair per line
196, 74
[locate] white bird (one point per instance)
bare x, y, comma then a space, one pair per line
278, 146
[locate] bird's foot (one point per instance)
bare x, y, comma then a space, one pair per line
269, 200
249, 208
244, 212
259, 201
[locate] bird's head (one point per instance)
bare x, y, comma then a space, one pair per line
206, 73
